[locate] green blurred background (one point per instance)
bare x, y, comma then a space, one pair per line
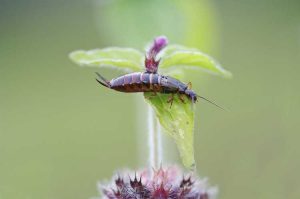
60, 132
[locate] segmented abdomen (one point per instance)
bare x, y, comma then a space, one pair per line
137, 82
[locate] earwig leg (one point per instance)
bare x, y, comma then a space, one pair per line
181, 97
189, 85
171, 99
152, 95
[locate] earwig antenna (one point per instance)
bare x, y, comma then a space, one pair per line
104, 83
213, 103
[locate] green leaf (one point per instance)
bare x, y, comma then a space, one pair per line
177, 74
170, 49
179, 57
178, 122
121, 58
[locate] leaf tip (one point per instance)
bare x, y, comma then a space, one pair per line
75, 56
227, 74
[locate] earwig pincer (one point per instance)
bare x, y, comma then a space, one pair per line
150, 80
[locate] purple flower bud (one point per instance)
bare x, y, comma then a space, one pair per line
158, 44
151, 63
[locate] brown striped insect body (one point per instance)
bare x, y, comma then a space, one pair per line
148, 82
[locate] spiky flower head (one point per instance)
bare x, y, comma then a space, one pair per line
168, 183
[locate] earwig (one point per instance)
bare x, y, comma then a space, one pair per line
151, 81
148, 82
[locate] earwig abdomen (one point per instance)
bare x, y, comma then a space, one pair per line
137, 82
147, 82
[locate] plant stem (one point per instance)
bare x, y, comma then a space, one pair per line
154, 140
159, 141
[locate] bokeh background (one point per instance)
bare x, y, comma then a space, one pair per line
60, 133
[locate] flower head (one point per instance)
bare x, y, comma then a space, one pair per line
160, 184
158, 44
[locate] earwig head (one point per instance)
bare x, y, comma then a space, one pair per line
191, 94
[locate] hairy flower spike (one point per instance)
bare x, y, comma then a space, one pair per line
162, 184
151, 63
119, 182
136, 184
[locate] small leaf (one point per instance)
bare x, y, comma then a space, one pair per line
121, 58
175, 57
178, 122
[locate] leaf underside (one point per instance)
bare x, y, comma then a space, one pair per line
178, 122
126, 59
178, 57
